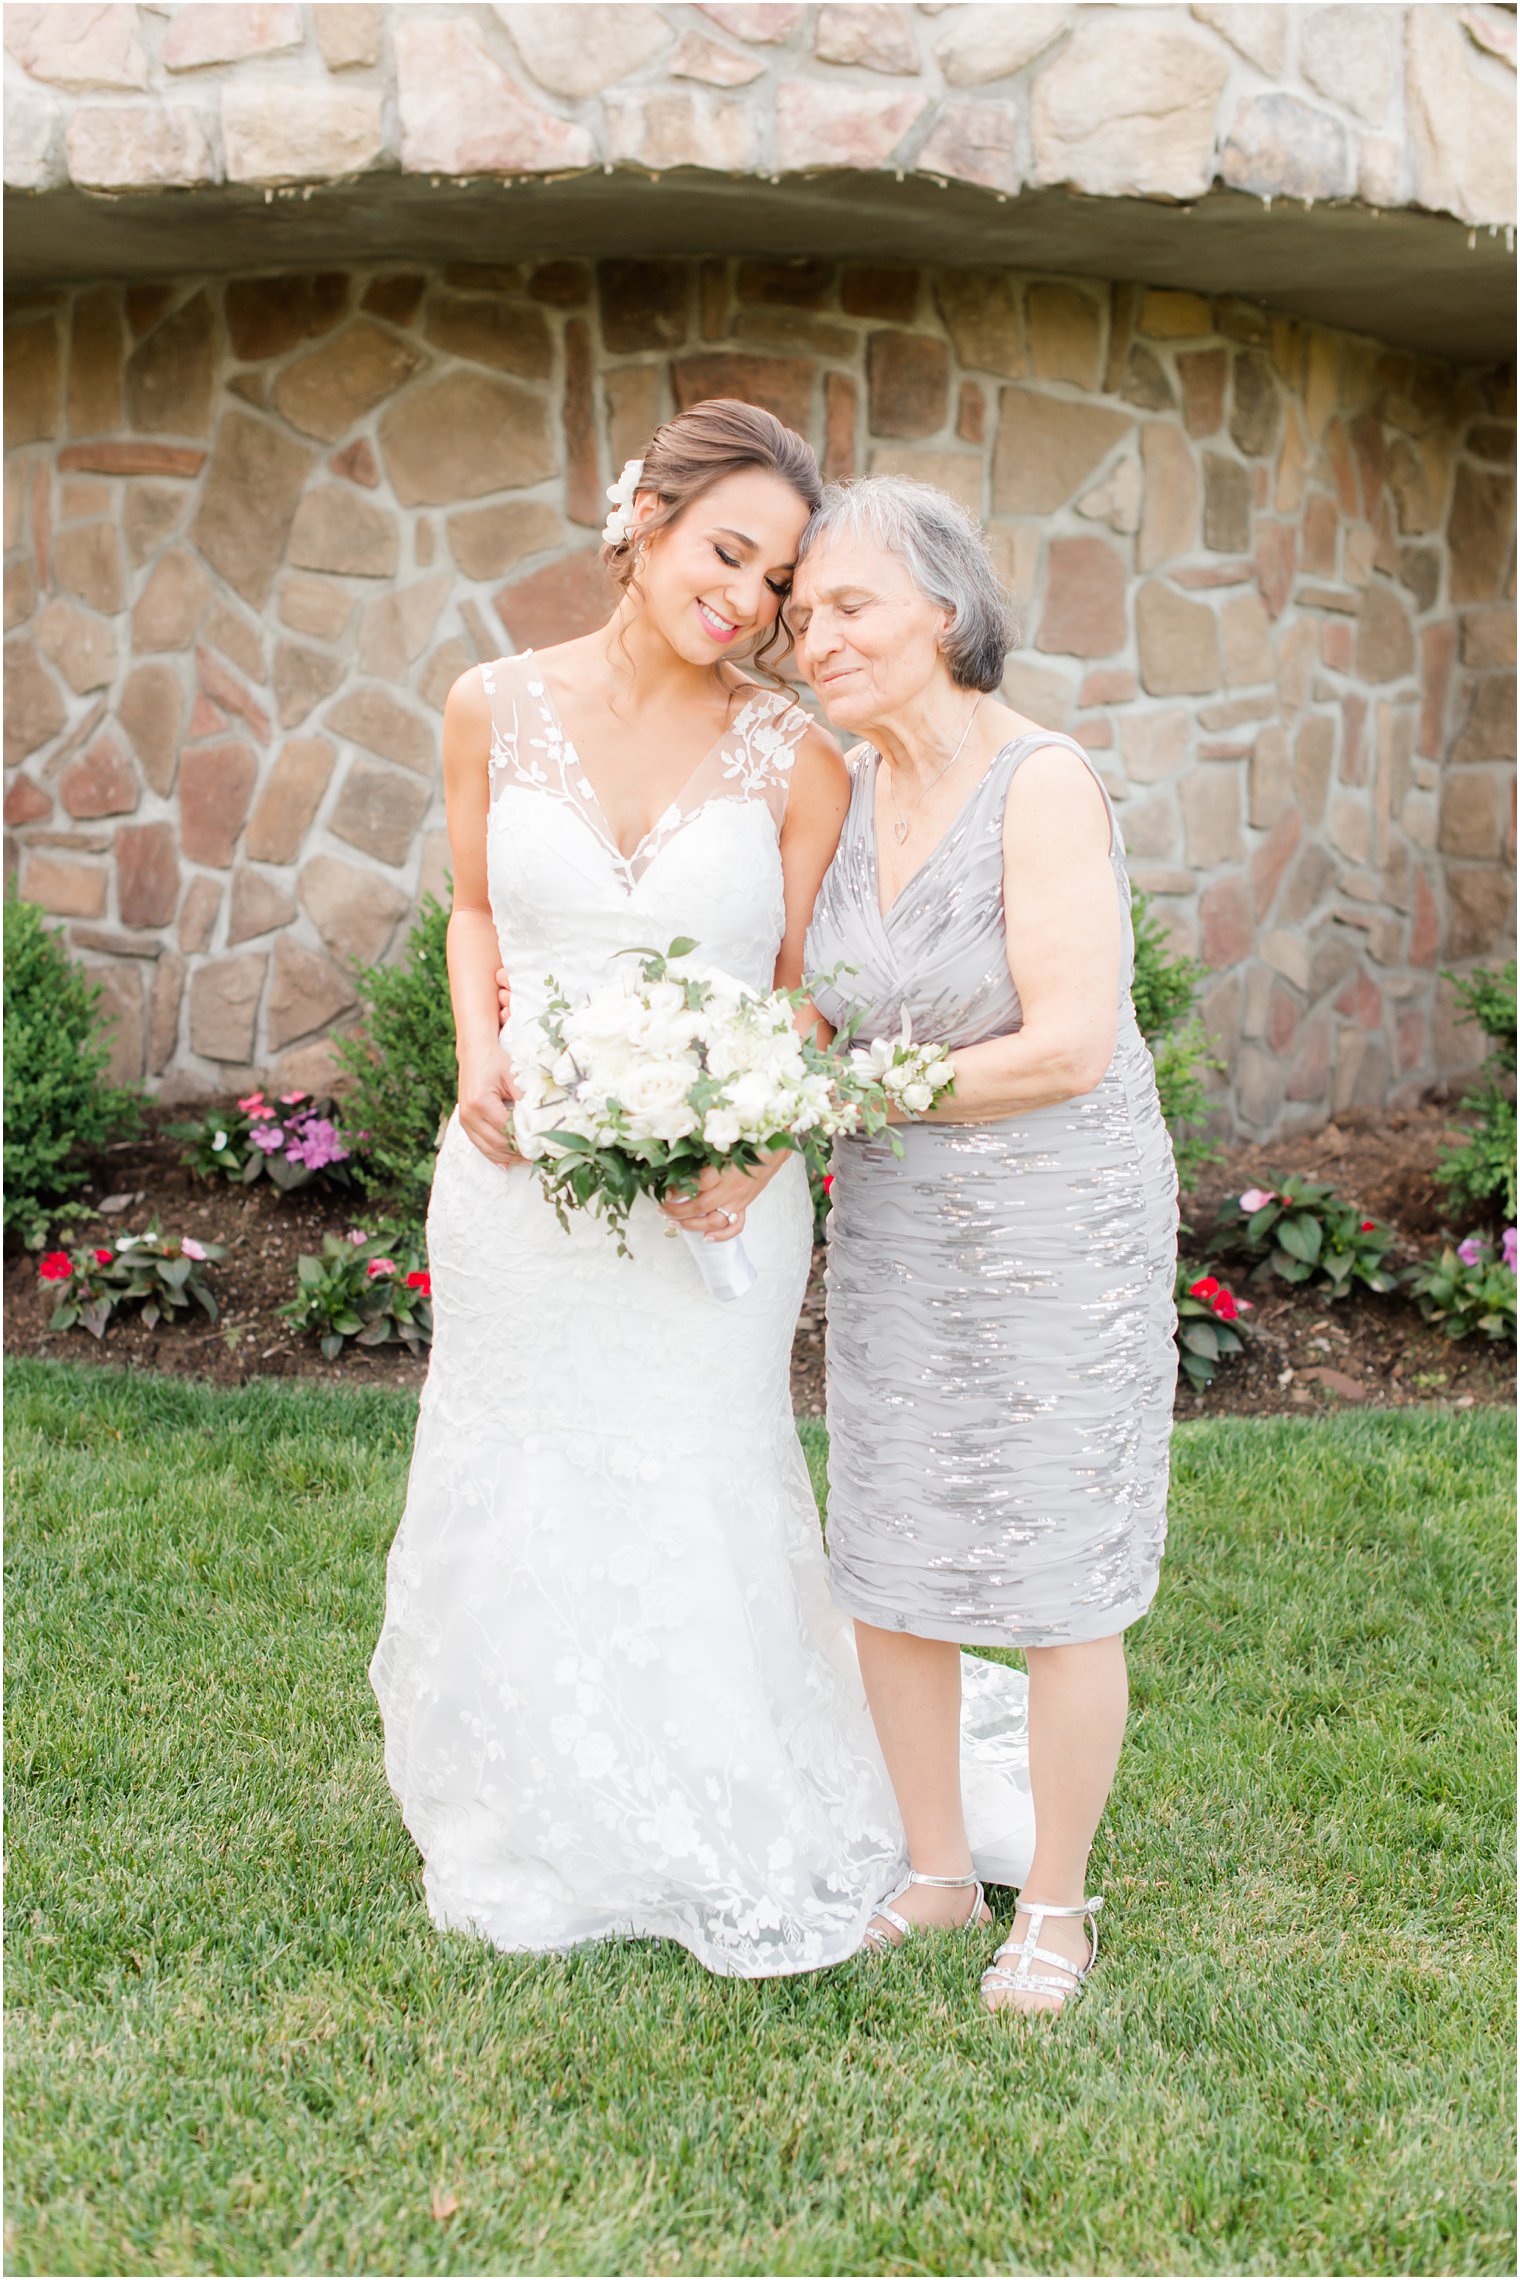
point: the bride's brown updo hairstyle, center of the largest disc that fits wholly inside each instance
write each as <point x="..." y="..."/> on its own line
<point x="697" y="449"/>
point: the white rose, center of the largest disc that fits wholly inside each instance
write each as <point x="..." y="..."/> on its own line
<point x="655" y="1100"/>
<point x="783" y="1055"/>
<point x="664" y="998"/>
<point x="752" y="1099"/>
<point x="610" y="1067"/>
<point x="527" y="1124"/>
<point x="607" y="1019"/>
<point x="917" y="1097"/>
<point x="722" y="1129"/>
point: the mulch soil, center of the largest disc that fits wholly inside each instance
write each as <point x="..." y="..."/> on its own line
<point x="1301" y="1353"/>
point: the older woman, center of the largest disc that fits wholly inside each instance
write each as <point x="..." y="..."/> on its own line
<point x="1001" y="1365"/>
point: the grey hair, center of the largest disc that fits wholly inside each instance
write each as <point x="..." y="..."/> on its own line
<point x="944" y="554"/>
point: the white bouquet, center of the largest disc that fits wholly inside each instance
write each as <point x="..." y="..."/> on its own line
<point x="669" y="1069"/>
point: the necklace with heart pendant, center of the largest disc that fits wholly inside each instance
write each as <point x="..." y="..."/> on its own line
<point x="903" y="824"/>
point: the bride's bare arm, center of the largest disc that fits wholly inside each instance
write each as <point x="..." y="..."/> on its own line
<point x="485" y="1095"/>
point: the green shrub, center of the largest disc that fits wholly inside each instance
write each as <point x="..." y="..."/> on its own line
<point x="1165" y="987"/>
<point x="1469" y="1287"/>
<point x="1479" y="1173"/>
<point x="58" y="1109"/>
<point x="1301" y="1231"/>
<point x="158" y="1273"/>
<point x="1209" y="1322"/>
<point x="372" y="1289"/>
<point x="1165" y="990"/>
<point x="405" y="1079"/>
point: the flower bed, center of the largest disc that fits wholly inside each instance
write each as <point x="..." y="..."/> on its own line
<point x="1299" y="1351"/>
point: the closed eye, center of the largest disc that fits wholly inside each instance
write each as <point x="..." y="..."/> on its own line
<point x="731" y="562"/>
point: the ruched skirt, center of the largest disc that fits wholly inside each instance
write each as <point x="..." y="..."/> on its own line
<point x="1002" y="1369"/>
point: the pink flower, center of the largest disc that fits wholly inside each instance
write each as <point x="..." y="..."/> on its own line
<point x="1256" y="1199"/>
<point x="56" y="1267"/>
<point x="288" y="1100"/>
<point x="1471" y="1252"/>
<point x="1508" y="1248"/>
<point x="357" y="1235"/>
<point x="268" y="1137"/>
<point x="380" y="1267"/>
<point x="317" y="1144"/>
<point x="422" y="1281"/>
<point x="253" y="1105"/>
<point x="191" y="1248"/>
<point x="104" y="1258"/>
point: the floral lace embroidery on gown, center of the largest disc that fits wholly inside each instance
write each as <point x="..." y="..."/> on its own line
<point x="617" y="1697"/>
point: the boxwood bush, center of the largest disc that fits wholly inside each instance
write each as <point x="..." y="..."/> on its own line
<point x="403" y="1077"/>
<point x="58" y="1107"/>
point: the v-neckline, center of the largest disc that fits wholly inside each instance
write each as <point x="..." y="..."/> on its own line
<point x="874" y="839"/>
<point x="673" y="809"/>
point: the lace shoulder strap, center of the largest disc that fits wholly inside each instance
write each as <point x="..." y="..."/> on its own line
<point x="526" y="747"/>
<point x="758" y="751"/>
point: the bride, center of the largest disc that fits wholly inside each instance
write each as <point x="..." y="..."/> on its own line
<point x="617" y="1698"/>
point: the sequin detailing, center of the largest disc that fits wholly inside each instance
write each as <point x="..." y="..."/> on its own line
<point x="1000" y="1316"/>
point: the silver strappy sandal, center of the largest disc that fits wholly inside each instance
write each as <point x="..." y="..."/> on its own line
<point x="1021" y="1980"/>
<point x="880" y="1940"/>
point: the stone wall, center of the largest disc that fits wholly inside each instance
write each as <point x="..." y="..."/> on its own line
<point x="1393" y="105"/>
<point x="254" y="528"/>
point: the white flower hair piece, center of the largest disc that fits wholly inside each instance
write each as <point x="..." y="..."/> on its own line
<point x="621" y="493"/>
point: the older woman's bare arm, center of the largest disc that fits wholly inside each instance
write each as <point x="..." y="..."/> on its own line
<point x="1061" y="918"/>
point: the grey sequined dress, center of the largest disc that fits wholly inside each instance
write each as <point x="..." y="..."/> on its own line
<point x="1000" y="1299"/>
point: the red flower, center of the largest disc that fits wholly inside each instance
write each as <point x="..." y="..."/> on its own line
<point x="1224" y="1305"/>
<point x="104" y="1258"/>
<point x="1205" y="1287"/>
<point x="1368" y="1225"/>
<point x="56" y="1267"/>
<point x="828" y="1183"/>
<point x="422" y="1281"/>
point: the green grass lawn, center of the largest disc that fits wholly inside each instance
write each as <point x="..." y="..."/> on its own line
<point x="237" y="2045"/>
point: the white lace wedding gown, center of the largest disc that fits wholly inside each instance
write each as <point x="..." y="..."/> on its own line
<point x="617" y="1698"/>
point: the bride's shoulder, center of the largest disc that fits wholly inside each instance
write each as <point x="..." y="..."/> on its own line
<point x="468" y="702"/>
<point x="781" y="709"/>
